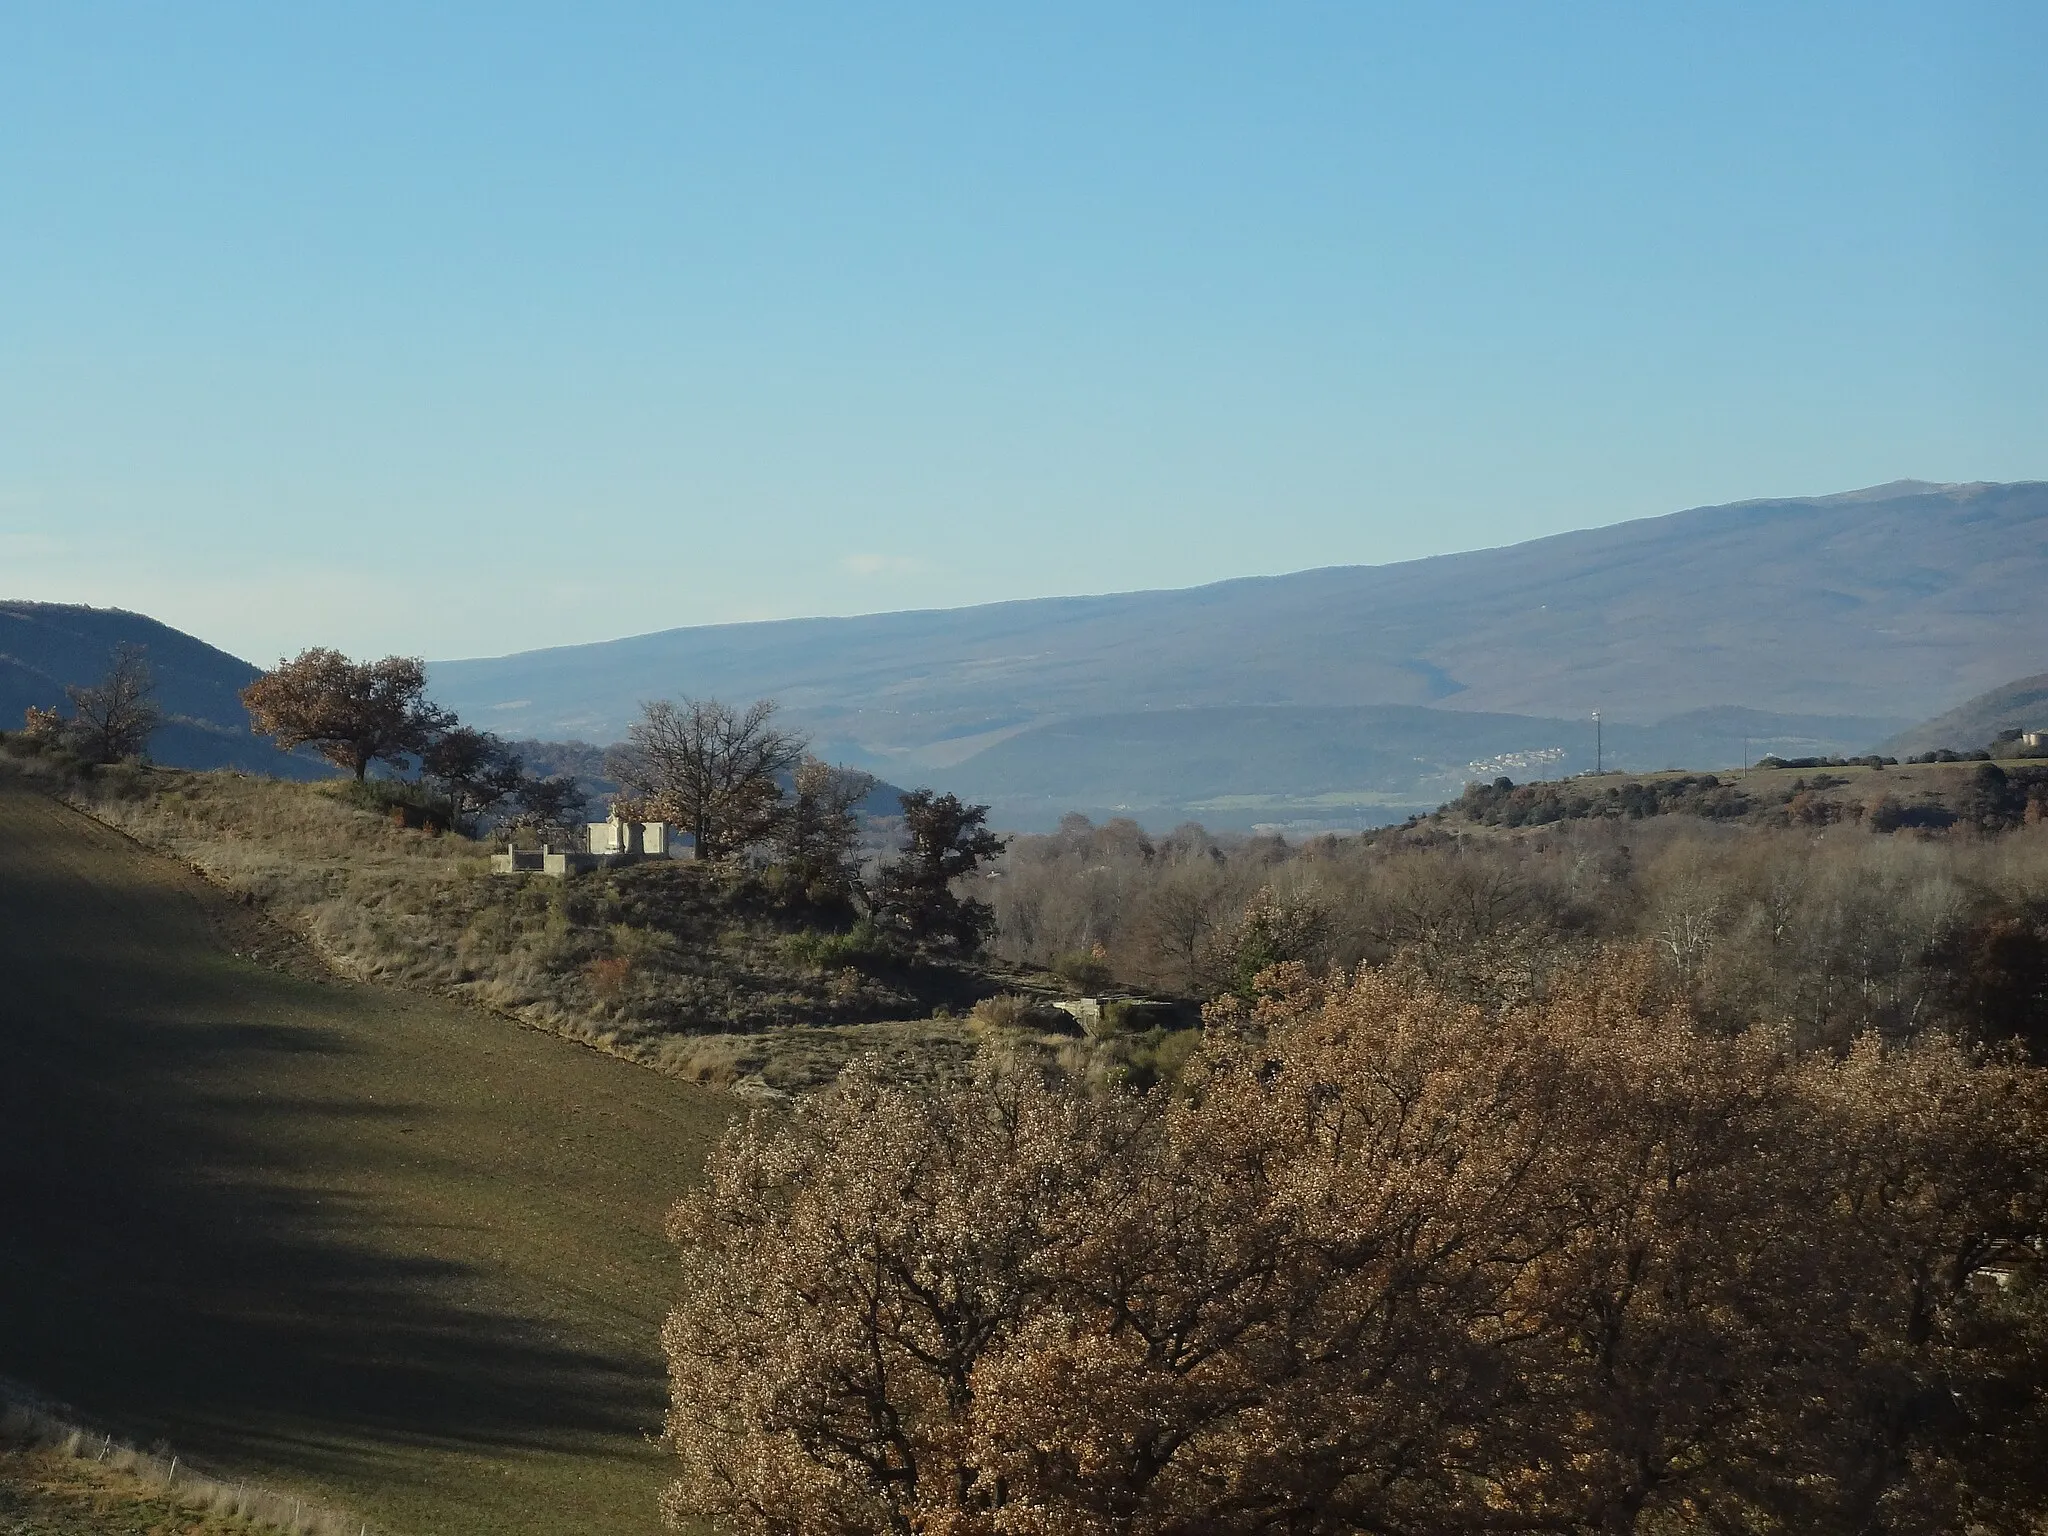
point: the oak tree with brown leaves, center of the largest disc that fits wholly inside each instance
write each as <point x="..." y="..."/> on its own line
<point x="817" y="841"/>
<point x="353" y="713"/>
<point x="1389" y="1262"/>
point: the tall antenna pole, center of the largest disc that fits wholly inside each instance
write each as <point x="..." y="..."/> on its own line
<point x="1599" y="756"/>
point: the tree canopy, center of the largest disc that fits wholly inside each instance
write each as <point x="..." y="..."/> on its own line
<point x="354" y="713"/>
<point x="818" y="840"/>
<point x="1389" y="1263"/>
<point x="944" y="839"/>
<point x="474" y="769"/>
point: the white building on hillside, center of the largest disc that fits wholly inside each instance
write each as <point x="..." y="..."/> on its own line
<point x="611" y="843"/>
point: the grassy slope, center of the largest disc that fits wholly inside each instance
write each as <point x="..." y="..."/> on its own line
<point x="399" y="1253"/>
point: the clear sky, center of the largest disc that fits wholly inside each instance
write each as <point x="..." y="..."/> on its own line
<point x="456" y="330"/>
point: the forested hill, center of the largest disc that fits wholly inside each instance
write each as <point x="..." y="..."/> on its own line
<point x="1885" y="605"/>
<point x="45" y="647"/>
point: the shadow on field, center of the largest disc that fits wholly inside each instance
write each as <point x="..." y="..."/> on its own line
<point x="206" y="1166"/>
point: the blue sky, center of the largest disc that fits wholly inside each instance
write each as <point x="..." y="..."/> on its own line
<point x="458" y="330"/>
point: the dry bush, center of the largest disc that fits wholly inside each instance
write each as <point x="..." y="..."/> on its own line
<point x="801" y="1058"/>
<point x="1015" y="1011"/>
<point x="1396" y="1263"/>
<point x="609" y="977"/>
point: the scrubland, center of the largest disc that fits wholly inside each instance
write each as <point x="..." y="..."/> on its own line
<point x="1657" y="1154"/>
<point x="1832" y="901"/>
<point x="1671" y="1167"/>
<point x="1796" y="910"/>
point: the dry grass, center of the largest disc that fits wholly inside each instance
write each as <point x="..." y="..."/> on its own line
<point x="64" y="1477"/>
<point x="793" y="1060"/>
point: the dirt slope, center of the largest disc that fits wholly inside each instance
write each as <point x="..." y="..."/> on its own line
<point x="403" y="1255"/>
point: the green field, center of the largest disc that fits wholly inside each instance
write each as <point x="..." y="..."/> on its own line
<point x="399" y="1254"/>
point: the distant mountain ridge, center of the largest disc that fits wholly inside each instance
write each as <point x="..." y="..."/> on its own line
<point x="1868" y="608"/>
<point x="1342" y="693"/>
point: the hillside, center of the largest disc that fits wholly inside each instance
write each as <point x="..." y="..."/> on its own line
<point x="1866" y="610"/>
<point x="2019" y="705"/>
<point x="714" y="973"/>
<point x="45" y="646"/>
<point x="402" y="1254"/>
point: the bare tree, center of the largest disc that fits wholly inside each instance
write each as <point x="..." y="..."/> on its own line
<point x="1181" y="916"/>
<point x="711" y="768"/>
<point x="116" y="717"/>
<point x="550" y="808"/>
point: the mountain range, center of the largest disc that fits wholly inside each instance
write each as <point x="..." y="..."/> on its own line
<point x="1328" y="697"/>
<point x="1817" y="624"/>
<point x="2019" y="705"/>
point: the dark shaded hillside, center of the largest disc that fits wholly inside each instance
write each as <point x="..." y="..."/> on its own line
<point x="1884" y="603"/>
<point x="2018" y="705"/>
<point x="45" y="646"/>
<point x="400" y="1253"/>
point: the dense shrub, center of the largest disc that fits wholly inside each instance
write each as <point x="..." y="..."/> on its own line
<point x="1085" y="970"/>
<point x="1504" y="803"/>
<point x="861" y="944"/>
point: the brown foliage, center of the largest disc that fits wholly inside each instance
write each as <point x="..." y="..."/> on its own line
<point x="1391" y="1263"/>
<point x="818" y="840"/>
<point x="609" y="976"/>
<point x="352" y="712"/>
